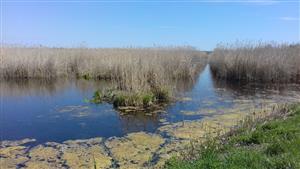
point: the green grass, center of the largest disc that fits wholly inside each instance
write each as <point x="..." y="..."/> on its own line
<point x="272" y="144"/>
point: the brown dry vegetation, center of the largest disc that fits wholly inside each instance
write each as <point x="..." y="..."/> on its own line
<point x="131" y="69"/>
<point x="257" y="62"/>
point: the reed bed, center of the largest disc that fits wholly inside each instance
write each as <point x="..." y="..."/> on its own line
<point x="257" y="62"/>
<point x="131" y="69"/>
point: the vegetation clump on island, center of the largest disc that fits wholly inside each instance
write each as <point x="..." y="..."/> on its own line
<point x="141" y="77"/>
<point x="271" y="142"/>
<point x="130" y="101"/>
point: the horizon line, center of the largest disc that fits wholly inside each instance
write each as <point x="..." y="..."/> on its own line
<point x="155" y="1"/>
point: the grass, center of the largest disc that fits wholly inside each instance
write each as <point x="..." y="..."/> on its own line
<point x="269" y="144"/>
<point x="131" y="69"/>
<point x="257" y="62"/>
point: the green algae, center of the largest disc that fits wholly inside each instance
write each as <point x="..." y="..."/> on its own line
<point x="134" y="150"/>
<point x="89" y="153"/>
<point x="86" y="157"/>
<point x="75" y="154"/>
<point x="12" y="156"/>
<point x="171" y="149"/>
<point x="41" y="153"/>
<point x="185" y="99"/>
<point x="44" y="157"/>
<point x="73" y="108"/>
<point x="13" y="153"/>
<point x="208" y="102"/>
<point x="16" y="142"/>
<point x="76" y="111"/>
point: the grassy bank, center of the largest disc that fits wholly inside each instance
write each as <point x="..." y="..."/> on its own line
<point x="257" y="62"/>
<point x="131" y="69"/>
<point x="263" y="143"/>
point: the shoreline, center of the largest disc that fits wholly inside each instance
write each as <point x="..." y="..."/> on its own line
<point x="147" y="149"/>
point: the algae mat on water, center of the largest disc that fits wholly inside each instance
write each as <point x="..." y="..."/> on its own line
<point x="135" y="150"/>
<point x="70" y="154"/>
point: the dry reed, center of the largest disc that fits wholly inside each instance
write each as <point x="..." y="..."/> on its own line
<point x="132" y="69"/>
<point x="257" y="62"/>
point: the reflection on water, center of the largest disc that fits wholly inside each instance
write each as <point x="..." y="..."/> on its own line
<point x="55" y="110"/>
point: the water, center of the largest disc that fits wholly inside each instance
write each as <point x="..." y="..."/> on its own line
<point x="56" y="110"/>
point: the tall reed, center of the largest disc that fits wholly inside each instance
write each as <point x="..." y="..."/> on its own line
<point x="257" y="62"/>
<point x="130" y="68"/>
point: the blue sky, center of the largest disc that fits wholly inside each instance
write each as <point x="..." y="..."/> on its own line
<point x="202" y="24"/>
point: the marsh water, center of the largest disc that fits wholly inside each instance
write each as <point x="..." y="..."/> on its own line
<point x="57" y="110"/>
